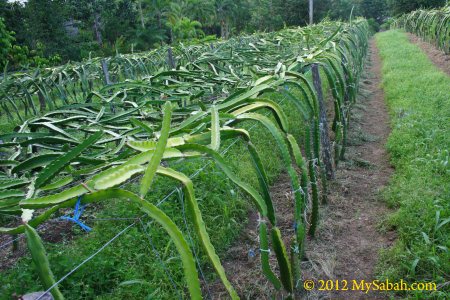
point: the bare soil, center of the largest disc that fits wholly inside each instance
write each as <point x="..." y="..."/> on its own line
<point x="53" y="231"/>
<point x="437" y="56"/>
<point x="242" y="261"/>
<point x="349" y="238"/>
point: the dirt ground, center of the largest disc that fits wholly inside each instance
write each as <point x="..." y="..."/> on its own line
<point x="349" y="237"/>
<point x="54" y="231"/>
<point x="438" y="57"/>
<point x="242" y="261"/>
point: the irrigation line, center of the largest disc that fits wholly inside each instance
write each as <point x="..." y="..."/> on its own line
<point x="113" y="219"/>
<point x="181" y="197"/>
<point x="158" y="255"/>
<point x="86" y="260"/>
<point x="10" y="242"/>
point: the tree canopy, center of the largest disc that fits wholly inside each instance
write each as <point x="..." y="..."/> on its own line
<point x="47" y="31"/>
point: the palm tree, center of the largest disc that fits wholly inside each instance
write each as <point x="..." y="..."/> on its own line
<point x="172" y="13"/>
<point x="164" y="12"/>
<point x="225" y="11"/>
<point x="200" y="10"/>
<point x="186" y="29"/>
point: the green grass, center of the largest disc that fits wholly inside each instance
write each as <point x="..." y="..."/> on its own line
<point x="418" y="97"/>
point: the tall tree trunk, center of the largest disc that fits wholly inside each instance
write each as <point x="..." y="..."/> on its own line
<point x="98" y="36"/>
<point x="158" y="19"/>
<point x="97" y="29"/>
<point x="141" y="15"/>
<point x="222" y="29"/>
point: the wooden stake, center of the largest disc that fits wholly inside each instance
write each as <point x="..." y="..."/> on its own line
<point x="323" y="124"/>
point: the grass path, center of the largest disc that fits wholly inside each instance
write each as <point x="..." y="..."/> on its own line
<point x="437" y="56"/>
<point x="418" y="97"/>
<point x="360" y="238"/>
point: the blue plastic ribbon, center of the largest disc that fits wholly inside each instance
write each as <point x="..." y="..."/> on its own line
<point x="76" y="216"/>
<point x="251" y="253"/>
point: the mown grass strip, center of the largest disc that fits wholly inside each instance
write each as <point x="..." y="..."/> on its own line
<point x="417" y="94"/>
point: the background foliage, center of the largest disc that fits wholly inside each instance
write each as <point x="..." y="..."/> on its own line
<point x="48" y="32"/>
